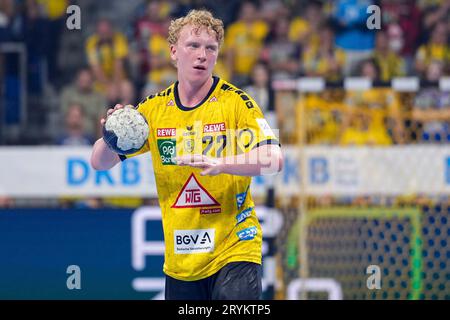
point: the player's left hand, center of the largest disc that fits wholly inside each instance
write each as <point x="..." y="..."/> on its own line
<point x="211" y="166"/>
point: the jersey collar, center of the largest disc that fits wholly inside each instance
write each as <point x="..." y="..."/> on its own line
<point x="178" y="101"/>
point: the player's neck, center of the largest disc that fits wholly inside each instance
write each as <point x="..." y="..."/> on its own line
<point x="191" y="94"/>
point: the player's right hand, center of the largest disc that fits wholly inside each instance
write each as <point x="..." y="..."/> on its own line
<point x="110" y="111"/>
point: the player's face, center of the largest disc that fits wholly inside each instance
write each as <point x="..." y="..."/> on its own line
<point x="195" y="53"/>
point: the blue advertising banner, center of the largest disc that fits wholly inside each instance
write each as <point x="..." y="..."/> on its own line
<point x="91" y="253"/>
<point x="38" y="246"/>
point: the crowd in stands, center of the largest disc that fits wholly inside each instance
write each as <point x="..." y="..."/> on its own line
<point x="265" y="40"/>
<point x="127" y="58"/>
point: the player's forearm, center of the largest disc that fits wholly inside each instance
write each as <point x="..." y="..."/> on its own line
<point x="264" y="160"/>
<point x="102" y="157"/>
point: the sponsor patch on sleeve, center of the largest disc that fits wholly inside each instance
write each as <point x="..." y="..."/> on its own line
<point x="240" y="198"/>
<point x="247" y="234"/>
<point x="244" y="215"/>
<point x="265" y="128"/>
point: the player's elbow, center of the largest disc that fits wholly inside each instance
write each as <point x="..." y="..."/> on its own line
<point x="102" y="158"/>
<point x="277" y="159"/>
<point x="273" y="160"/>
<point x="102" y="164"/>
<point x="95" y="163"/>
<point x="280" y="160"/>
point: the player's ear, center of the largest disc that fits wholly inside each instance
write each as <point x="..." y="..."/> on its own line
<point x="173" y="52"/>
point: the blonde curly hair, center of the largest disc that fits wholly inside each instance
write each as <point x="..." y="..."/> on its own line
<point x="199" y="19"/>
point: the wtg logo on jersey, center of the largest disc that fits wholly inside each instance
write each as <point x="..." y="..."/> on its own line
<point x="194" y="241"/>
<point x="244" y="215"/>
<point x="247" y="234"/>
<point x="194" y="195"/>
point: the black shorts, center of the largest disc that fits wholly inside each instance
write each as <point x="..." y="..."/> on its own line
<point x="235" y="281"/>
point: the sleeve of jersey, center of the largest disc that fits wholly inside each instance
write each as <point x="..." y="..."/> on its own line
<point x="253" y="129"/>
<point x="91" y="51"/>
<point x="142" y="109"/>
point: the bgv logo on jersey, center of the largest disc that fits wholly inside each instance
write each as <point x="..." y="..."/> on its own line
<point x="194" y="241"/>
<point x="194" y="195"/>
<point x="247" y="234"/>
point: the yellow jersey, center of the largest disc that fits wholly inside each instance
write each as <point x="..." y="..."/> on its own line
<point x="54" y="9"/>
<point x="247" y="42"/>
<point x="104" y="53"/>
<point x="208" y="221"/>
<point x="433" y="52"/>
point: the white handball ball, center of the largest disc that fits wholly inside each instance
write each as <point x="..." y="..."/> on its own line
<point x="125" y="131"/>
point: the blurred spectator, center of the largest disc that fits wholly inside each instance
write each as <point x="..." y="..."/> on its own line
<point x="370" y="69"/>
<point x="390" y="63"/>
<point x="304" y="30"/>
<point x="326" y="60"/>
<point x="55" y="12"/>
<point x="360" y="129"/>
<point x="322" y="118"/>
<point x="352" y="34"/>
<point x="372" y="116"/>
<point x="434" y="12"/>
<point x="225" y="10"/>
<point x="182" y="7"/>
<point x="74" y="133"/>
<point x="261" y="91"/>
<point x="152" y="23"/>
<point x="273" y="10"/>
<point x="107" y="53"/>
<point x="35" y="32"/>
<point x="162" y="72"/>
<point x="431" y="110"/>
<point x="282" y="54"/>
<point x="220" y="69"/>
<point x="259" y="88"/>
<point x="396" y="37"/>
<point x="243" y="43"/>
<point x="437" y="49"/>
<point x="82" y="92"/>
<point x="407" y="16"/>
<point x="7" y="13"/>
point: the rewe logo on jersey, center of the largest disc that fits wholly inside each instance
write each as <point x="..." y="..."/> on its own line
<point x="166" y="132"/>
<point x="194" y="195"/>
<point x="214" y="127"/>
